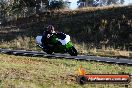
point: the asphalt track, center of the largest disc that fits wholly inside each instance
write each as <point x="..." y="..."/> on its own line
<point x="122" y="61"/>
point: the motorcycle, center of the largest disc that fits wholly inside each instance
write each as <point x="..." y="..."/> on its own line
<point x="59" y="43"/>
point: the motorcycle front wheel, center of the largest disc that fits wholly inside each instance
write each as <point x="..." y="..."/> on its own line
<point x="72" y="51"/>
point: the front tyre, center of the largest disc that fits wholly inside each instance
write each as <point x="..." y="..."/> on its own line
<point x="72" y="51"/>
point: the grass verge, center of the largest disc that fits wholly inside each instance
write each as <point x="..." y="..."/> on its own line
<point x="38" y="72"/>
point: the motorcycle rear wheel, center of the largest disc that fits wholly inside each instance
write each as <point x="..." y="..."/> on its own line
<point x="48" y="50"/>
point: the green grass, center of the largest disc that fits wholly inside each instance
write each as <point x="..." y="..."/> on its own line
<point x="38" y="72"/>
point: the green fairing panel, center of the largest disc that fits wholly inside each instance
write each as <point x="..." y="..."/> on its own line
<point x="69" y="45"/>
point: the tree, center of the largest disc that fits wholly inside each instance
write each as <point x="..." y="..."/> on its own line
<point x="19" y="5"/>
<point x="122" y="1"/>
<point x="3" y="10"/>
<point x="10" y="9"/>
<point x="86" y="2"/>
<point x="100" y="2"/>
<point x="58" y="4"/>
<point x="109" y="2"/>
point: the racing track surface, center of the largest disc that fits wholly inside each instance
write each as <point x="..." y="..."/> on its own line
<point x="121" y="61"/>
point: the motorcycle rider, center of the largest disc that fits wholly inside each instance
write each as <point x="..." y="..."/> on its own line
<point x="47" y="35"/>
<point x="55" y="42"/>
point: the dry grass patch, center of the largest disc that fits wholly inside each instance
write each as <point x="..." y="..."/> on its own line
<point x="21" y="42"/>
<point x="36" y="72"/>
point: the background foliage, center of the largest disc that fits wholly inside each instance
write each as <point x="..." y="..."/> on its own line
<point x="97" y="27"/>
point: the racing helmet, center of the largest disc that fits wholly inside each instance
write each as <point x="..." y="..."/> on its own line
<point x="50" y="29"/>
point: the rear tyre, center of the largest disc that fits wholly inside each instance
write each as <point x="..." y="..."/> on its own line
<point x="48" y="50"/>
<point x="72" y="51"/>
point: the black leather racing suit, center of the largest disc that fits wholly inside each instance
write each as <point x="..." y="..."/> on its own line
<point x="46" y="39"/>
